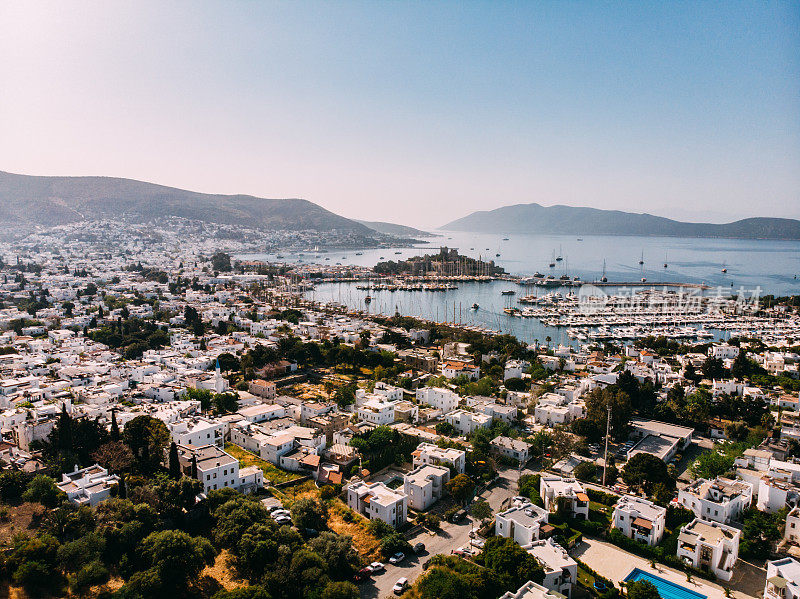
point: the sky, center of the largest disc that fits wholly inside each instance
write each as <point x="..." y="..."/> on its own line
<point x="415" y="112"/>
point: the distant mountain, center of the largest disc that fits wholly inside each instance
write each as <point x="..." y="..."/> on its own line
<point x="27" y="199"/>
<point x="395" y="230"/>
<point x="535" y="218"/>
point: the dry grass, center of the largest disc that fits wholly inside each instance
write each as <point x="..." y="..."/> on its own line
<point x="20" y="519"/>
<point x="271" y="472"/>
<point x="367" y="546"/>
<point x="223" y="573"/>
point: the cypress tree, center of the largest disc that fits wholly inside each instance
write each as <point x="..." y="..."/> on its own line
<point x="114" y="426"/>
<point x="174" y="462"/>
<point x="194" y="466"/>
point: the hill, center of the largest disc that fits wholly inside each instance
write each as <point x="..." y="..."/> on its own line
<point x="28" y="199"/>
<point x="535" y="218"/>
<point x="395" y="230"/>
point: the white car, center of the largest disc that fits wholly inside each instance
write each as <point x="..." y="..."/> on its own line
<point x="397" y="558"/>
<point x="400" y="586"/>
<point x="376" y="567"/>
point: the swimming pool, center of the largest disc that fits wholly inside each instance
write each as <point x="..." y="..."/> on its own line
<point x="667" y="589"/>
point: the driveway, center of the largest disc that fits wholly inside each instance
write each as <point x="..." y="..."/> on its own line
<point x="451" y="536"/>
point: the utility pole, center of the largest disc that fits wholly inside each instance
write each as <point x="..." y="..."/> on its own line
<point x="605" y="457"/>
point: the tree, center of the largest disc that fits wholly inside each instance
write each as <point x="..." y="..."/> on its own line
<point x="461" y="488"/>
<point x="512" y="563"/>
<point x="340" y="590"/>
<point x="12" y="485"/>
<point x="174" y="461"/>
<point x="338" y="553"/>
<point x="379" y="529"/>
<point x="482" y="510"/>
<point x="644" y="471"/>
<point x="309" y="513"/>
<point x="742" y="366"/>
<point x="221" y="262"/>
<point x="393" y="543"/>
<point x="760" y="530"/>
<point x="642" y="589"/>
<point x="42" y="489"/>
<point x="174" y="559"/>
<point x="713" y="368"/>
<point x="345" y="396"/>
<point x="586" y="471"/>
<point x="114" y="455"/>
<point x="147" y="437"/>
<point x="251" y="592"/>
<point x="597" y="404"/>
<point x="515" y="384"/>
<point x="114" y="426"/>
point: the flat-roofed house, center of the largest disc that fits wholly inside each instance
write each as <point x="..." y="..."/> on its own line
<point x="640" y="519"/>
<point x="377" y="501"/>
<point x="521" y="523"/>
<point x="709" y="545"/>
<point x="568" y="491"/>
<point x="428" y="453"/>
<point x="720" y="500"/>
<point x="783" y="579"/>
<point x="88" y="486"/>
<point x="425" y="485"/>
<point x="560" y="570"/>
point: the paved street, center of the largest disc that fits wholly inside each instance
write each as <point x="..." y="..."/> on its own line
<point x="450" y="537"/>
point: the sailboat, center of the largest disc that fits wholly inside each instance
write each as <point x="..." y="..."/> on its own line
<point x="604" y="278"/>
<point x="665" y="260"/>
<point x="724" y="268"/>
<point x="553" y="260"/>
<point x="559" y="258"/>
<point x="641" y="260"/>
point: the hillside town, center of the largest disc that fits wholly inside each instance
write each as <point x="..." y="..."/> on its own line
<point x="179" y="422"/>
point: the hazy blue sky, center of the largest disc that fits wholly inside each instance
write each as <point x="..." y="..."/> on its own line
<point x="416" y="113"/>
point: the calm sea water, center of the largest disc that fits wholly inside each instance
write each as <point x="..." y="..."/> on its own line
<point x="771" y="265"/>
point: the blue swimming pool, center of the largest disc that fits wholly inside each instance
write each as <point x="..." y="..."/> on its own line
<point x="667" y="589"/>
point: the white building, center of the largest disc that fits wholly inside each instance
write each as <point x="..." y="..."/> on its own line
<point x="640" y="519"/>
<point x="217" y="469"/>
<point x="721" y="500"/>
<point x="428" y="453"/>
<point x="723" y="351"/>
<point x="783" y="579"/>
<point x="709" y="545"/>
<point x="390" y="392"/>
<point x="467" y="422"/>
<point x="425" y="485"/>
<point x="553" y="488"/>
<point x="522" y="523"/>
<point x="88" y="486"/>
<point x="377" y="410"/>
<point x="376" y="500"/>
<point x="441" y="399"/>
<point x="531" y="590"/>
<point x="792" y="531"/>
<point x="513" y="449"/>
<point x="778" y="487"/>
<point x="197" y="431"/>
<point x="560" y="570"/>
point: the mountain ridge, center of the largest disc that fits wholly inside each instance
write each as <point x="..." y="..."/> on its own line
<point x="561" y="219"/>
<point x="32" y="199"/>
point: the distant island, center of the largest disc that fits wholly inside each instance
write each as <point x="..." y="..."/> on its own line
<point x="395" y="230"/>
<point x="535" y="218"/>
<point x="53" y="201"/>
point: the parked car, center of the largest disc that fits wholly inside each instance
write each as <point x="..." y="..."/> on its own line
<point x="458" y="516"/>
<point x="362" y="574"/>
<point x="376" y="567"/>
<point x="419" y="548"/>
<point x="479" y="543"/>
<point x="397" y="558"/>
<point x="283" y="520"/>
<point x="280" y="512"/>
<point x="400" y="586"/>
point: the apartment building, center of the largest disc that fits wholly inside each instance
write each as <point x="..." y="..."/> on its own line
<point x="217" y="469"/>
<point x="640" y="519"/>
<point x="792" y="531"/>
<point x="197" y="431"/>
<point x="721" y="500"/>
<point x="467" y="422"/>
<point x="779" y="486"/>
<point x="513" y="449"/>
<point x="428" y="453"/>
<point x="709" y="546"/>
<point x="377" y="410"/>
<point x="531" y="590"/>
<point x="425" y="485"/>
<point x="377" y="501"/>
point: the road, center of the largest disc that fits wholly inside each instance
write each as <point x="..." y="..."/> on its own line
<point x="451" y="536"/>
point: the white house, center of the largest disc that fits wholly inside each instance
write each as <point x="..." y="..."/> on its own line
<point x="88" y="486"/>
<point x="376" y="500"/>
<point x="441" y="399"/>
<point x="723" y="351"/>
<point x="514" y="449"/>
<point x="792" y="531"/>
<point x="522" y="523"/>
<point x="217" y="469"/>
<point x="428" y="453"/>
<point x="639" y="519"/>
<point x="783" y="579"/>
<point x="197" y="431"/>
<point x="425" y="485"/>
<point x="467" y="422"/>
<point x="553" y="488"/>
<point x="778" y="486"/>
<point x="709" y="545"/>
<point x="560" y="570"/>
<point x="721" y="500"/>
<point x="531" y="590"/>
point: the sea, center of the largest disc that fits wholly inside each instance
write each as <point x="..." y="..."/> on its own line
<point x="753" y="267"/>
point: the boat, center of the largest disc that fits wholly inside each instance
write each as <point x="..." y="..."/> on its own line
<point x="724" y="270"/>
<point x="644" y="279"/>
<point x="474" y="307"/>
<point x="497" y="255"/>
<point x="580" y="238"/>
<point x="367" y="299"/>
<point x="665" y="260"/>
<point x="560" y="257"/>
<point x="538" y="275"/>
<point x="604" y="278"/>
<point x="508" y="292"/>
<point x="641" y="260"/>
<point x="359" y="253"/>
<point x="398" y="253"/>
<point x="505" y="238"/>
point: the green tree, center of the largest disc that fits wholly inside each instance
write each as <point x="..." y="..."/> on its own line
<point x="713" y="368"/>
<point x="12" y="485"/>
<point x="340" y="590"/>
<point x="393" y="543"/>
<point x="482" y="510"/>
<point x="42" y="489"/>
<point x="642" y="589"/>
<point x="512" y="563"/>
<point x="461" y="488"/>
<point x="586" y="471"/>
<point x="309" y="513"/>
<point x="147" y="437"/>
<point x="174" y="461"/>
<point x="644" y="471"/>
<point x="338" y="553"/>
<point x="250" y="592"/>
<point x="597" y="403"/>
